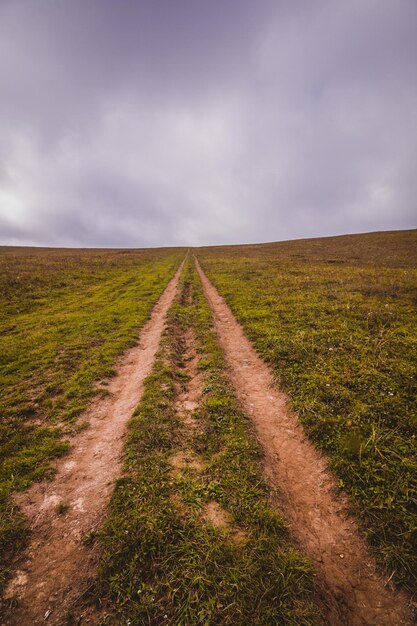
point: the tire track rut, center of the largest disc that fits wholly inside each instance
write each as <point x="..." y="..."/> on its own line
<point x="353" y="592"/>
<point x="57" y="565"/>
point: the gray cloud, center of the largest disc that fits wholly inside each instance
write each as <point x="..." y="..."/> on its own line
<point x="169" y="123"/>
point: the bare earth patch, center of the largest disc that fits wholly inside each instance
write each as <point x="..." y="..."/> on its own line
<point x="58" y="565"/>
<point x="215" y="514"/>
<point x="189" y="398"/>
<point x="188" y="401"/>
<point x="184" y="460"/>
<point x="220" y="518"/>
<point x="353" y="591"/>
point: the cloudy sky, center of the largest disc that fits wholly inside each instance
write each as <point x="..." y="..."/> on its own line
<point x="170" y="122"/>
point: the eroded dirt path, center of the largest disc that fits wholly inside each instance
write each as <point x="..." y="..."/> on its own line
<point x="58" y="565"/>
<point x="353" y="593"/>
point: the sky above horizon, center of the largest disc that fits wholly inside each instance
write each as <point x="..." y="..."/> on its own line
<point x="161" y="122"/>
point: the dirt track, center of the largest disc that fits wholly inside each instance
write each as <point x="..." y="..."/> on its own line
<point x="58" y="566"/>
<point x="353" y="593"/>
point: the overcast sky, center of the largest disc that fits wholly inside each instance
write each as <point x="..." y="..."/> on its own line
<point x="170" y="122"/>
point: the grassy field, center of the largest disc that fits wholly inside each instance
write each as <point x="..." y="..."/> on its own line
<point x="65" y="315"/>
<point x="164" y="562"/>
<point x="336" y="318"/>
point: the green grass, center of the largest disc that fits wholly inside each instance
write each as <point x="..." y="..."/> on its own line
<point x="336" y="318"/>
<point x="65" y="316"/>
<point x="163" y="562"/>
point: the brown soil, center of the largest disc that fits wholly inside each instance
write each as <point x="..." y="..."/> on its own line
<point x="189" y="398"/>
<point x="353" y="592"/>
<point x="185" y="460"/>
<point x="220" y="518"/>
<point x="187" y="402"/>
<point x="57" y="566"/>
<point x="217" y="516"/>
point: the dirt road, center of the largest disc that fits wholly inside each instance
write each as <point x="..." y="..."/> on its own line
<point x="353" y="593"/>
<point x="58" y="565"/>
